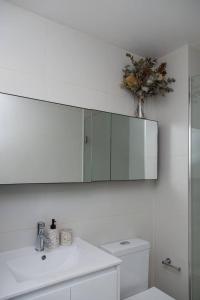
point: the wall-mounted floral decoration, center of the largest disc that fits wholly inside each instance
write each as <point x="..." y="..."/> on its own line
<point x="144" y="78"/>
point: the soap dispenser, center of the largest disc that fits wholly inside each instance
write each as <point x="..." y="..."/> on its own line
<point x="53" y="224"/>
<point x="52" y="236"/>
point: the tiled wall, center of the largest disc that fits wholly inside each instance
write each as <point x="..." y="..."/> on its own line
<point x="171" y="210"/>
<point x="42" y="59"/>
<point x="45" y="60"/>
<point x="99" y="212"/>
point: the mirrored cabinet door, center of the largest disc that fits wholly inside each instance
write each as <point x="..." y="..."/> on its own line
<point x="40" y="141"/>
<point x="133" y="148"/>
<point x="97" y="130"/>
<point x="101" y="129"/>
<point x="120" y="148"/>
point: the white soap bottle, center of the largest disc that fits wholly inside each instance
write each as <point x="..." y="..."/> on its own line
<point x="52" y="236"/>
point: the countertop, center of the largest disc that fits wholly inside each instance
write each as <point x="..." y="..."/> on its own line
<point x="90" y="259"/>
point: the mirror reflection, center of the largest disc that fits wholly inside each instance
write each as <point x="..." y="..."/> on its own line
<point x="133" y="148"/>
<point x="40" y="141"/>
<point x="45" y="142"/>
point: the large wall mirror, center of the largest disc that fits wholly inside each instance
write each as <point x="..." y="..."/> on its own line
<point x="43" y="142"/>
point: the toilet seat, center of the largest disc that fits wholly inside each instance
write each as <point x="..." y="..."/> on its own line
<point x="151" y="294"/>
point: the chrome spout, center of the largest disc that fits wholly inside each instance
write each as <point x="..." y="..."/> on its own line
<point x="40" y="236"/>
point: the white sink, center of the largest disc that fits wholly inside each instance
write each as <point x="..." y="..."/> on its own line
<point x="23" y="270"/>
<point x="35" y="264"/>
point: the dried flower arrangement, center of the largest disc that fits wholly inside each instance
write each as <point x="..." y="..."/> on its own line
<point x="143" y="78"/>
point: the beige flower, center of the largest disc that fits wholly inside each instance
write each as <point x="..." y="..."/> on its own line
<point x="131" y="81"/>
<point x="160" y="77"/>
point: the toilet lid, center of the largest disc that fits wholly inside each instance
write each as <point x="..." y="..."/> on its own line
<point x="151" y="294"/>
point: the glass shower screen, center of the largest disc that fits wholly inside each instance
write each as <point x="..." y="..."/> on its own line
<point x="195" y="187"/>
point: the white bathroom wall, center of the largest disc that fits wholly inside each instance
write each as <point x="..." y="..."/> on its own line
<point x="171" y="207"/>
<point x="194" y="59"/>
<point x="45" y="60"/>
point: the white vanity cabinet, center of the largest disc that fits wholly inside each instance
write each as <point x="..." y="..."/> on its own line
<point x="63" y="294"/>
<point x="51" y="293"/>
<point x="97" y="286"/>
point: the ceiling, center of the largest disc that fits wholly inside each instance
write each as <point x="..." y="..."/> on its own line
<point x="146" y="27"/>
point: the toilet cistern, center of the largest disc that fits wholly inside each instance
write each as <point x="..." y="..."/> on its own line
<point x="134" y="270"/>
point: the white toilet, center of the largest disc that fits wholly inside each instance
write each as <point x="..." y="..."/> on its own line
<point x="134" y="270"/>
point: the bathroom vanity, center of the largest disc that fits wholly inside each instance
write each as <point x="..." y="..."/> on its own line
<point x="76" y="272"/>
<point x="43" y="142"/>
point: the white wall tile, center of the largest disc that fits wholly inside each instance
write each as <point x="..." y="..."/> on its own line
<point x="22" y="84"/>
<point x="194" y="57"/>
<point x="23" y="39"/>
<point x="16" y="239"/>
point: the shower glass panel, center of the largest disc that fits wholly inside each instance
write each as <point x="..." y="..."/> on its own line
<point x="195" y="187"/>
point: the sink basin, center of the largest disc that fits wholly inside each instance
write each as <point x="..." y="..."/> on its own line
<point x="25" y="270"/>
<point x="35" y="264"/>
